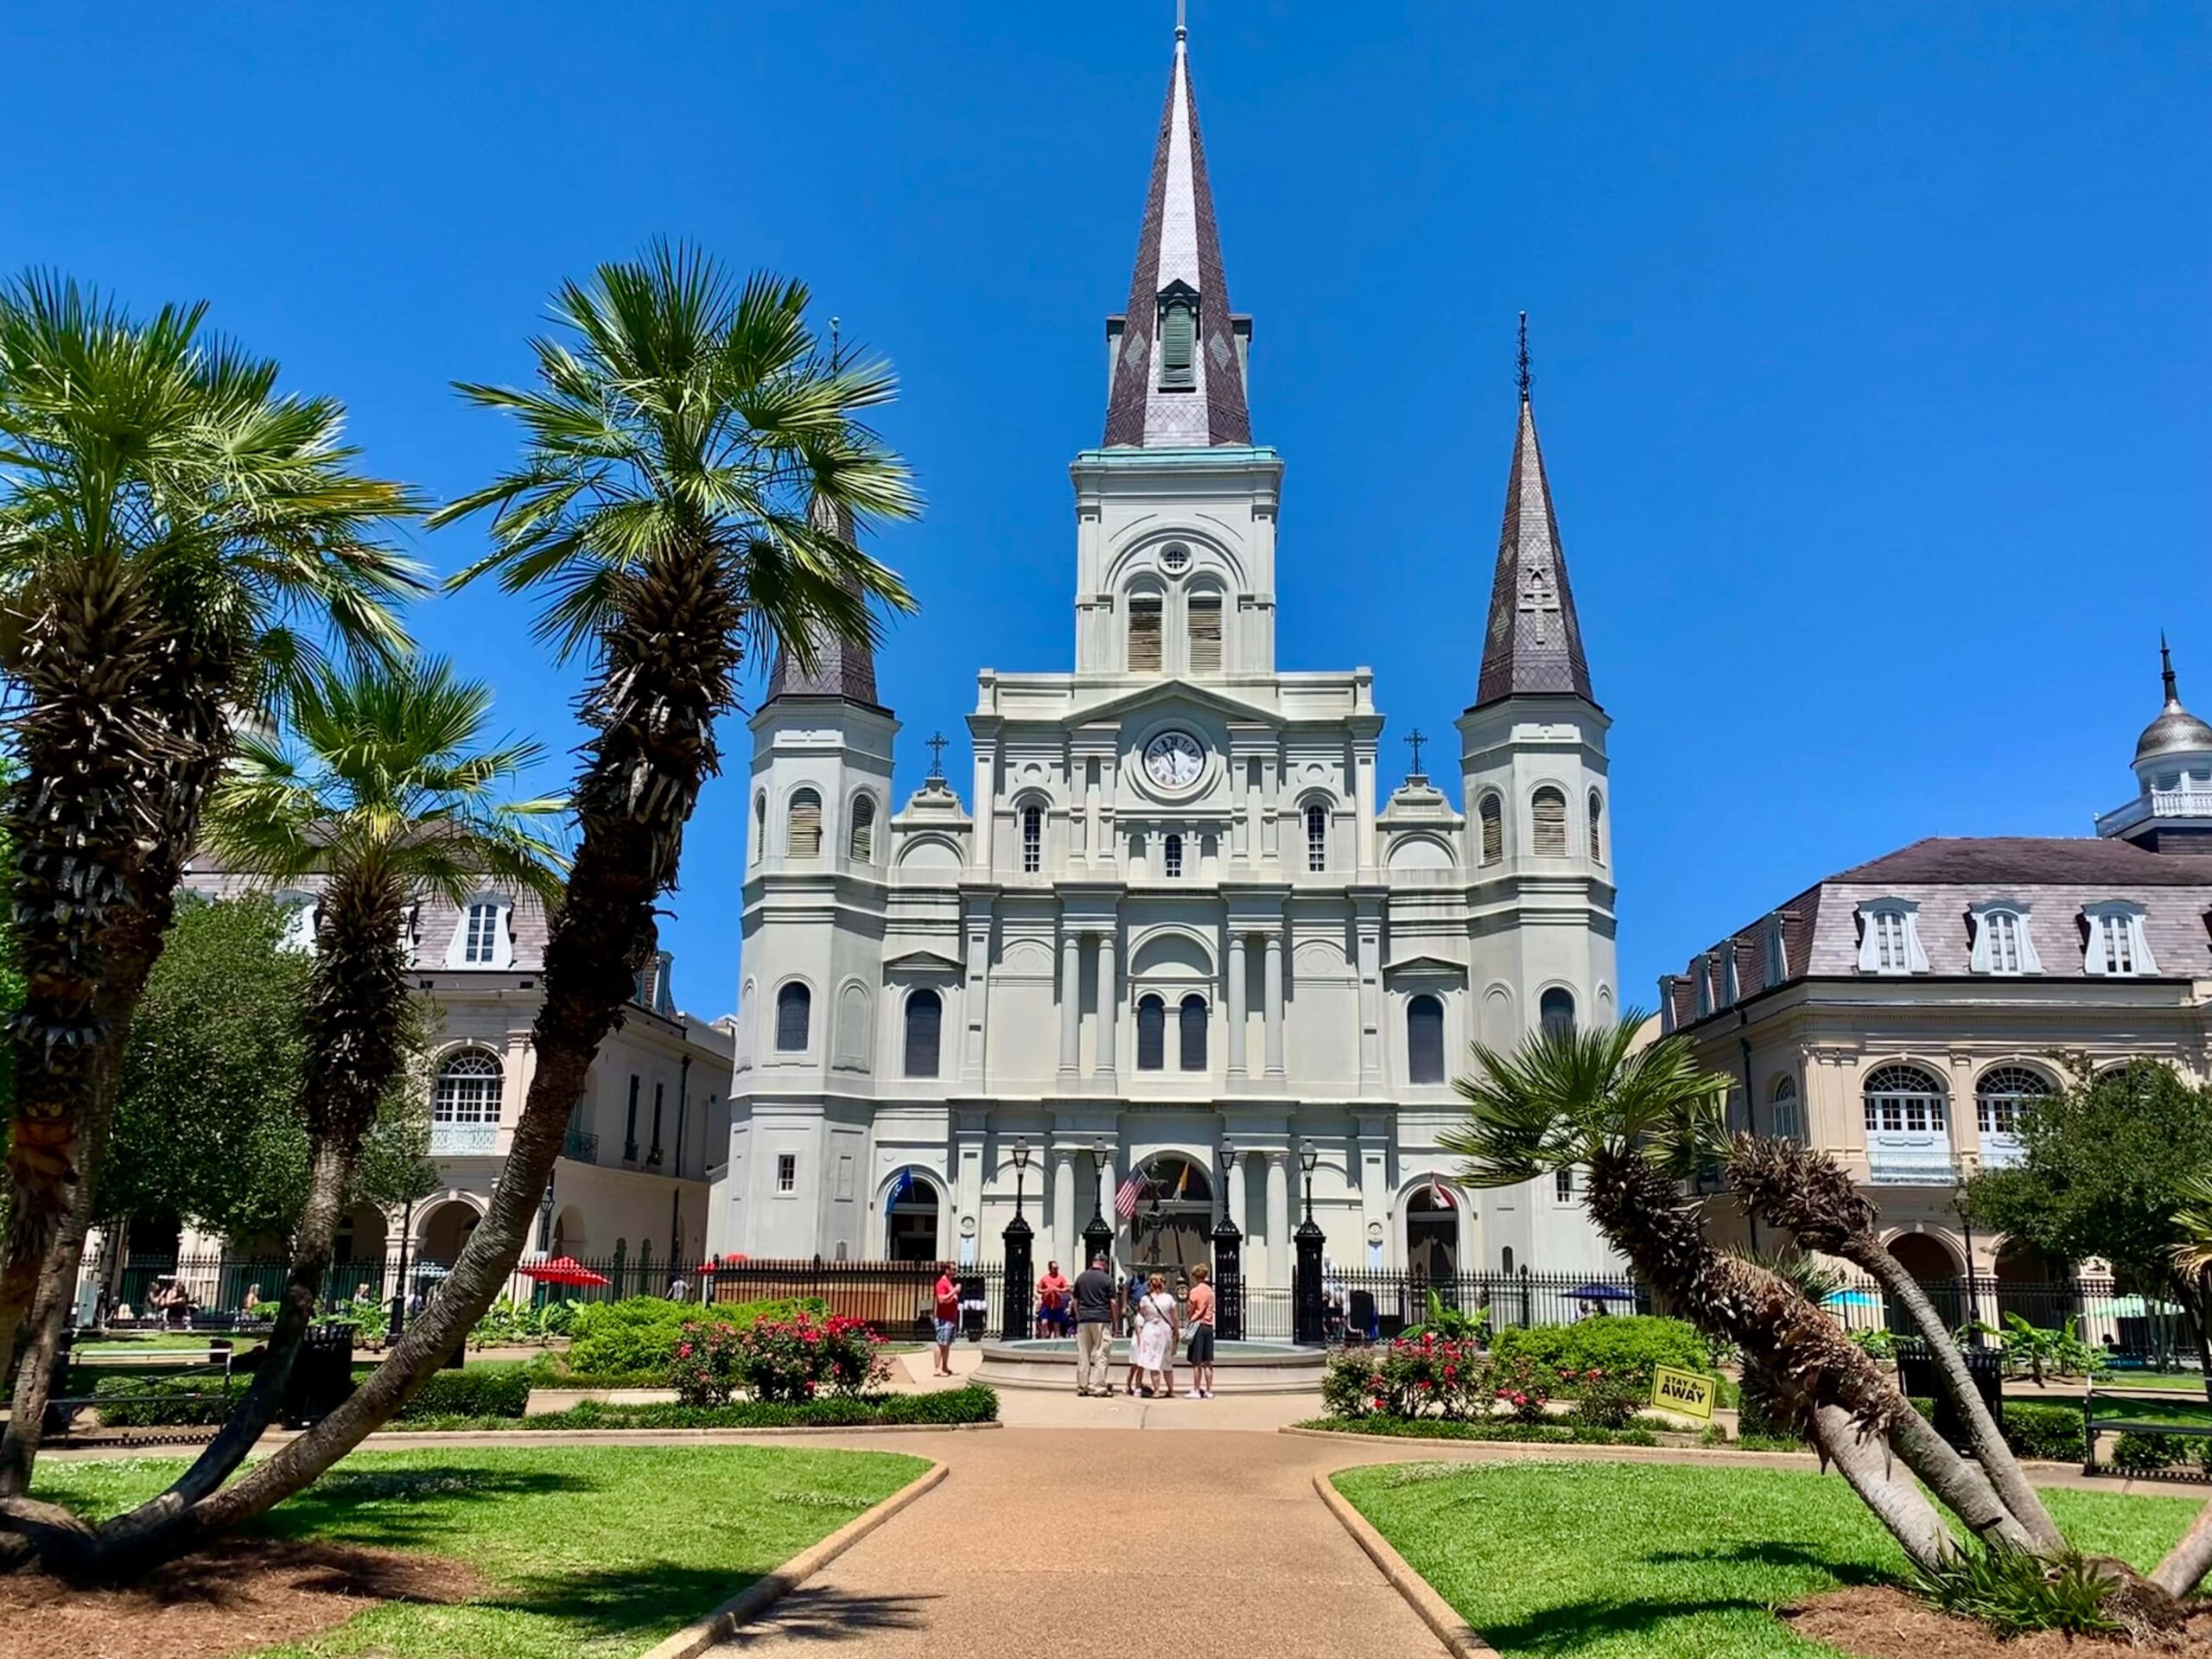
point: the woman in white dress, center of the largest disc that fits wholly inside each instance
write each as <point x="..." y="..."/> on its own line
<point x="1155" y="1334"/>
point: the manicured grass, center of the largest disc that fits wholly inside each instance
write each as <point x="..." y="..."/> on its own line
<point x="1613" y="1561"/>
<point x="597" y="1552"/>
<point x="2174" y="1413"/>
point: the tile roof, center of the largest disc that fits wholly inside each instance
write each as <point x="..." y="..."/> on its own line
<point x="2028" y="860"/>
<point x="1178" y="242"/>
<point x="1534" y="643"/>
<point x="843" y="668"/>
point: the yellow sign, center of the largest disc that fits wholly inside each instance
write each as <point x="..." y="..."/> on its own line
<point x="1685" y="1392"/>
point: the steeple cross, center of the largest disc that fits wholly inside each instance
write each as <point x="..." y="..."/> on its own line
<point x="1539" y="603"/>
<point x="936" y="746"/>
<point x="1414" y="739"/>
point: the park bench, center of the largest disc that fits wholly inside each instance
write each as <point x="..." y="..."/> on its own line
<point x="2108" y="1413"/>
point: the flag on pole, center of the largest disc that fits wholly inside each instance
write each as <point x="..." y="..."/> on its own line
<point x="1437" y="1195"/>
<point x="1184" y="1185"/>
<point x="1128" y="1195"/>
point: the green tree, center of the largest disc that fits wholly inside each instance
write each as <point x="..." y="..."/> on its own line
<point x="692" y="458"/>
<point x="177" y="539"/>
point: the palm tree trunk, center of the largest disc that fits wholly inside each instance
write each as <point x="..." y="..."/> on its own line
<point x="1882" y="1485"/>
<point x="2188" y="1561"/>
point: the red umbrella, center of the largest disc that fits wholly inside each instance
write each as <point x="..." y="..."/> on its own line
<point x="561" y="1270"/>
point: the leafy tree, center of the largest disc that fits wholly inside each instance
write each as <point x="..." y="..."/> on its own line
<point x="177" y="537"/>
<point x="693" y="460"/>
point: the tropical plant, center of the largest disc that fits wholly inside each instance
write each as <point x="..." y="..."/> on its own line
<point x="694" y="463"/>
<point x="2014" y="1593"/>
<point x="389" y="791"/>
<point x="2034" y="1351"/>
<point x="1451" y="1323"/>
<point x="177" y="537"/>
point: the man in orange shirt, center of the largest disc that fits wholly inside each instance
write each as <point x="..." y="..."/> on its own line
<point x="1053" y="1302"/>
<point x="948" y="1318"/>
<point x="1201" y="1320"/>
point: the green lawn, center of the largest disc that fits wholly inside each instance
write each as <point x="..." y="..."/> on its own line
<point x="1616" y="1561"/>
<point x="589" y="1551"/>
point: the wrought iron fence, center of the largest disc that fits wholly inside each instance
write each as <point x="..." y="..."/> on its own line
<point x="897" y="1299"/>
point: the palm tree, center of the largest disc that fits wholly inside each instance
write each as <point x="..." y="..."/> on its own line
<point x="679" y="438"/>
<point x="1640" y="1118"/>
<point x="178" y="541"/>
<point x="388" y="794"/>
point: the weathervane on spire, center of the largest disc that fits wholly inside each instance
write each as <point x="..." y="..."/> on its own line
<point x="1522" y="360"/>
<point x="2166" y="668"/>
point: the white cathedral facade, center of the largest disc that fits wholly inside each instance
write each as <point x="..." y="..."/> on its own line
<point x="1172" y="931"/>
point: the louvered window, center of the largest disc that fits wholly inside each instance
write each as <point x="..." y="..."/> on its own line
<point x="863" y="840"/>
<point x="1425" y="1040"/>
<point x="1597" y="820"/>
<point x="1492" y="812"/>
<point x="805" y="836"/>
<point x="1152" y="1034"/>
<point x="1206" y="634"/>
<point x="924" y="1021"/>
<point x="1178" y="341"/>
<point x="1191" y="1035"/>
<point x="1144" y="634"/>
<point x="1548" y="817"/>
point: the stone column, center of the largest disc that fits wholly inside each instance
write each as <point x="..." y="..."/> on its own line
<point x="1239" y="1006"/>
<point x="1065" y="1245"/>
<point x="984" y="803"/>
<point x="1368" y="924"/>
<point x="1274" y="1002"/>
<point x="1278" y="1220"/>
<point x="1071" y="998"/>
<point x="1109" y="1003"/>
<point x="1233" y="1179"/>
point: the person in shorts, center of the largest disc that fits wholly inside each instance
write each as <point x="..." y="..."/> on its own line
<point x="1053" y="1317"/>
<point x="947" y="1313"/>
<point x="1201" y="1320"/>
<point x="1096" y="1306"/>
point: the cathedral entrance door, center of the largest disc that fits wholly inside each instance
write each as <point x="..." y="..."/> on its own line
<point x="1173" y="1230"/>
<point x="1432" y="1237"/>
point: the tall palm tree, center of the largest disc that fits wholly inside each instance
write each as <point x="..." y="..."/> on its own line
<point x="388" y="792"/>
<point x="178" y="541"/>
<point x="1639" y="1118"/>
<point x="681" y="431"/>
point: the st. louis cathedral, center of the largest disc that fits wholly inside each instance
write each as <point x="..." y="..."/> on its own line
<point x="1169" y="933"/>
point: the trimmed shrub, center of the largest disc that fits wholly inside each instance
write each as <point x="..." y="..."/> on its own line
<point x="1604" y="1401"/>
<point x="972" y="1404"/>
<point x="488" y="1392"/>
<point x="636" y="1335"/>
<point x="1629" y="1345"/>
<point x="2149" y="1454"/>
<point x="2041" y="1431"/>
<point x="786" y="1360"/>
<point x="1352" y="1385"/>
<point x="164" y="1402"/>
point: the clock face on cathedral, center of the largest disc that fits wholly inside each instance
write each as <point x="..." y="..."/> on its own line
<point x="1173" y="760"/>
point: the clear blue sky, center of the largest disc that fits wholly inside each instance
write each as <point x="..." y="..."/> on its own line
<point x="1871" y="347"/>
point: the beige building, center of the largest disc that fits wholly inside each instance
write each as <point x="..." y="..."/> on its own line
<point x="1898" y="1013"/>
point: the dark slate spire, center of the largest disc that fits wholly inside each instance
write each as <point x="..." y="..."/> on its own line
<point x="1534" y="643"/>
<point x="1155" y="402"/>
<point x="841" y="668"/>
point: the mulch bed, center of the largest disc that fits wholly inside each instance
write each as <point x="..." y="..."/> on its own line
<point x="1877" y="1622"/>
<point x="252" y="1593"/>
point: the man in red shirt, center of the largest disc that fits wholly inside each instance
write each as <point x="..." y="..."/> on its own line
<point x="948" y="1318"/>
<point x="1053" y="1302"/>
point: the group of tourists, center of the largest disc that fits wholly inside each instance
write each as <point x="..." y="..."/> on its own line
<point x="1157" y="1323"/>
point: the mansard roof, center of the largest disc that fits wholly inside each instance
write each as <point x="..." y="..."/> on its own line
<point x="1534" y="642"/>
<point x="1179" y="247"/>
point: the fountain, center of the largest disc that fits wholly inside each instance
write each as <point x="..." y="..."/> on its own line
<point x="1239" y="1367"/>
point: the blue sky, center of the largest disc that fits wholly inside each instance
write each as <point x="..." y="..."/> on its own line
<point x="1871" y="348"/>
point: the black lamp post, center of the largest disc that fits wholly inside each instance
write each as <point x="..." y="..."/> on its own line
<point x="1013" y="1319"/>
<point x="1228" y="1258"/>
<point x="398" y="1323"/>
<point x="1097" y="1236"/>
<point x="1307" y="1326"/>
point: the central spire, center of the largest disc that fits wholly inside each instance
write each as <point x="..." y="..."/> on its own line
<point x="1179" y="362"/>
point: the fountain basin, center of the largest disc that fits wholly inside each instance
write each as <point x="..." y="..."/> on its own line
<point x="1239" y="1367"/>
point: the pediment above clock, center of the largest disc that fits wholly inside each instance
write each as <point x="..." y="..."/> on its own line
<point x="1181" y="694"/>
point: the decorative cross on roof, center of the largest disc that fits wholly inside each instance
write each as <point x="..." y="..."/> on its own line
<point x="1414" y="739"/>
<point x="1539" y="603"/>
<point x="936" y="746"/>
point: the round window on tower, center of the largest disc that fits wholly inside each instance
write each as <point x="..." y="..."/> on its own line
<point x="1174" y="556"/>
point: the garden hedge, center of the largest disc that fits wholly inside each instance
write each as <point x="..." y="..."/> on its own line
<point x="1454" y="1428"/>
<point x="972" y="1404"/>
<point x="637" y="1335"/>
<point x="2044" y="1431"/>
<point x="491" y="1392"/>
<point x="164" y="1402"/>
<point x="1626" y="1344"/>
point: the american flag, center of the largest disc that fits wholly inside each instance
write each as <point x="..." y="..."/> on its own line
<point x="1129" y="1193"/>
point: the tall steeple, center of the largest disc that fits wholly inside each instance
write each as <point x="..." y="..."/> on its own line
<point x="1178" y="376"/>
<point x="1534" y="643"/>
<point x="843" y="668"/>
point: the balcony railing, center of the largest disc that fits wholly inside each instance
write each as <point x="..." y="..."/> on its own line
<point x="2000" y="1151"/>
<point x="1910" y="1159"/>
<point x="580" y="1145"/>
<point x="463" y="1140"/>
<point x="2159" y="804"/>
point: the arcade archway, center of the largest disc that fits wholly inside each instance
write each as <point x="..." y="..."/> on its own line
<point x="1173" y="1228"/>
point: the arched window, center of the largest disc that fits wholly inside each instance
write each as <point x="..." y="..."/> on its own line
<point x="1506" y="1257"/>
<point x="1547" y="823"/>
<point x="1152" y="1034"/>
<point x="467" y="1088"/>
<point x="2001" y="1093"/>
<point x="1144" y="634"/>
<point x="1782" y="1117"/>
<point x="1317" y="836"/>
<point x="1425" y="1040"/>
<point x="925" y="1022"/>
<point x="794" y="1013"/>
<point x="1492" y="815"/>
<point x="805" y="827"/>
<point x="1032" y="840"/>
<point x="1556" y="1009"/>
<point x="1904" y="1100"/>
<point x="1171" y="858"/>
<point x="1204" y="623"/>
<point x="1597" y="820"/>
<point x="760" y="826"/>
<point x="863" y="835"/>
<point x="1191" y="1034"/>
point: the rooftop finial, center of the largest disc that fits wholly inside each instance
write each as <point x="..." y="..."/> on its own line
<point x="1526" y="379"/>
<point x="2166" y="669"/>
<point x="1182" y="22"/>
<point x="836" y="330"/>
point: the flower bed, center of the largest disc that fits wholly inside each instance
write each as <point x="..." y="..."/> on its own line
<point x="947" y="1407"/>
<point x="788" y="1360"/>
<point x="1425" y="1380"/>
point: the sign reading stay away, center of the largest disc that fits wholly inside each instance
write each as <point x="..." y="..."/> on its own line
<point x="1681" y="1391"/>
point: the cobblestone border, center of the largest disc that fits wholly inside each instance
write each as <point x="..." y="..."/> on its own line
<point x="1458" y="1638"/>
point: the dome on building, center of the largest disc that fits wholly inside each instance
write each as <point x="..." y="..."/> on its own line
<point x="2176" y="731"/>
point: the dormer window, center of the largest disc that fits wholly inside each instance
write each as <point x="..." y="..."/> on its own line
<point x="1701" y="977"/>
<point x="1178" y="339"/>
<point x="1777" y="951"/>
<point x="2116" y="946"/>
<point x="1889" y="937"/>
<point x="2001" y="940"/>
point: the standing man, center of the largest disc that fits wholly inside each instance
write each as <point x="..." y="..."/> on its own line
<point x="1053" y="1301"/>
<point x="1094" y="1327"/>
<point x="948" y="1318"/>
<point x="1201" y="1334"/>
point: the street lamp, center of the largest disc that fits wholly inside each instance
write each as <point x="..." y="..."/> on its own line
<point x="1016" y="1313"/>
<point x="1308" y="1157"/>
<point x="1228" y="1256"/>
<point x="1308" y="1322"/>
<point x="1020" y="1170"/>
